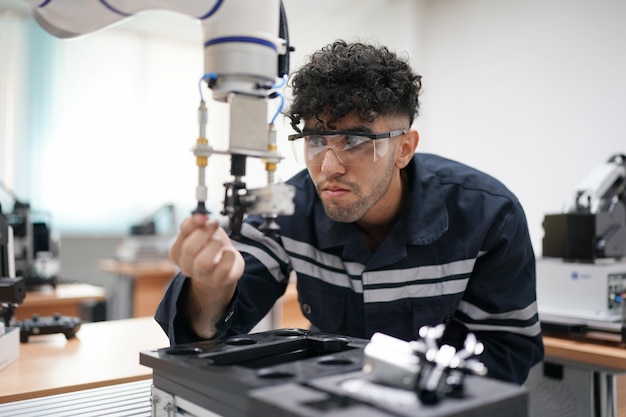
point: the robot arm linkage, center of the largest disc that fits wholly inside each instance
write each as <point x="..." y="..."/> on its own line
<point x="607" y="182"/>
<point x="593" y="224"/>
<point x="246" y="49"/>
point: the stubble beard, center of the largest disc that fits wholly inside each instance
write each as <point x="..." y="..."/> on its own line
<point x="360" y="207"/>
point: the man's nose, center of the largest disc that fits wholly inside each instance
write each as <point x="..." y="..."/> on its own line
<point x="331" y="162"/>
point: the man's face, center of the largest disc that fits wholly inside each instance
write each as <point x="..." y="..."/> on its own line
<point x="349" y="192"/>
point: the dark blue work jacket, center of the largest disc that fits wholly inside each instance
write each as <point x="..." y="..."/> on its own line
<point x="461" y="250"/>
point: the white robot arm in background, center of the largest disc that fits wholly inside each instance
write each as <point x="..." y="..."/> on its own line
<point x="593" y="223"/>
<point x="605" y="182"/>
<point x="246" y="50"/>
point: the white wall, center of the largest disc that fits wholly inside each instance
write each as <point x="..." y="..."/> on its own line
<point x="530" y="91"/>
<point x="13" y="38"/>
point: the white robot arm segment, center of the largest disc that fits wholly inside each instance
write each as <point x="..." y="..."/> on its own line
<point x="245" y="51"/>
<point x="593" y="224"/>
<point x="597" y="185"/>
<point x="241" y="42"/>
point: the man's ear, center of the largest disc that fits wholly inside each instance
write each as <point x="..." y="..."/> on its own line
<point x="406" y="148"/>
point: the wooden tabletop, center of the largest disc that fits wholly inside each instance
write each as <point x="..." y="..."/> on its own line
<point x="107" y="353"/>
<point x="150" y="279"/>
<point x="103" y="353"/>
<point x="63" y="294"/>
<point x="139" y="268"/>
<point x="598" y="354"/>
<point x="65" y="299"/>
<point x="606" y="354"/>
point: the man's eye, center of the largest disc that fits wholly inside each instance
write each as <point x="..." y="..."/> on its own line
<point x="354" y="141"/>
<point x="315" y="141"/>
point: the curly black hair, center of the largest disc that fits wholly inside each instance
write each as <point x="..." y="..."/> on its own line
<point x="342" y="77"/>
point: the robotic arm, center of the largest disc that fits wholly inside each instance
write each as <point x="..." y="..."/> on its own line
<point x="606" y="183"/>
<point x="593" y="224"/>
<point x="246" y="49"/>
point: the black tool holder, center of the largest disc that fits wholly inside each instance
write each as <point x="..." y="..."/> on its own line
<point x="12" y="290"/>
<point x="295" y="372"/>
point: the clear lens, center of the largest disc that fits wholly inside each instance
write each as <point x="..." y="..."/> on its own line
<point x="350" y="149"/>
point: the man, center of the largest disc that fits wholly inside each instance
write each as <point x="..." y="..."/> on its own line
<point x="382" y="239"/>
